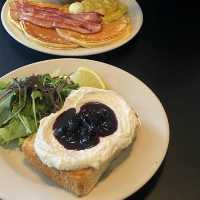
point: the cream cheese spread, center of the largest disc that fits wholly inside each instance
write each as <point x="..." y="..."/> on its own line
<point x="53" y="154"/>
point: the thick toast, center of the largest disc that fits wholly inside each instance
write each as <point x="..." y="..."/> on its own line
<point x="79" y="182"/>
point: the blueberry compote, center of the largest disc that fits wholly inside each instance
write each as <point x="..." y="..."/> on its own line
<point x="82" y="130"/>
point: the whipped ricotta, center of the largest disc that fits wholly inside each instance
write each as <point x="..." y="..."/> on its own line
<point x="53" y="154"/>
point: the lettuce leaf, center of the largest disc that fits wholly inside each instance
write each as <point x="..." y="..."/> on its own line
<point x="34" y="95"/>
<point x="3" y="85"/>
<point x="5" y="111"/>
<point x="20" y="126"/>
<point x="25" y="101"/>
<point x="16" y="121"/>
<point x="12" y="131"/>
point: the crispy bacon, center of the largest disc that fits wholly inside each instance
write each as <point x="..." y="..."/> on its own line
<point x="87" y="22"/>
<point x="87" y="16"/>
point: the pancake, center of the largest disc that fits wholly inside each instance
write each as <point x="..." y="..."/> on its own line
<point x="111" y="32"/>
<point x="47" y="4"/>
<point x="45" y="36"/>
<point x="12" y="21"/>
<point x="42" y="36"/>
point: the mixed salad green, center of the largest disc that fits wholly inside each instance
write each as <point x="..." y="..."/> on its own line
<point x="24" y="101"/>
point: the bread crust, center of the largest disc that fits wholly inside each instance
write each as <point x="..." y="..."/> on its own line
<point x="79" y="182"/>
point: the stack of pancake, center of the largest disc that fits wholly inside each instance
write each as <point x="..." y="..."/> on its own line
<point x="84" y="30"/>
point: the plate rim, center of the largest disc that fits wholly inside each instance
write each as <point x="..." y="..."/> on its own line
<point x="84" y="52"/>
<point x="157" y="166"/>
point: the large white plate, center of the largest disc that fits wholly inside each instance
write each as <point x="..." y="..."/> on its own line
<point x="134" y="11"/>
<point x="133" y="168"/>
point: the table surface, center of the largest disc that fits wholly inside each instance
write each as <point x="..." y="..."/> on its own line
<point x="165" y="56"/>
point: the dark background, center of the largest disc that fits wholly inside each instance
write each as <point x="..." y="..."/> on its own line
<point x="165" y="56"/>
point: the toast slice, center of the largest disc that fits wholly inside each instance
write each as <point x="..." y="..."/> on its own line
<point x="79" y="182"/>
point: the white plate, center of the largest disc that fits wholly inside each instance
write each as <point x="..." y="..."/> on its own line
<point x="134" y="11"/>
<point x="137" y="165"/>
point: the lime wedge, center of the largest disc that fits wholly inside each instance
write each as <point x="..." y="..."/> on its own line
<point x="86" y="77"/>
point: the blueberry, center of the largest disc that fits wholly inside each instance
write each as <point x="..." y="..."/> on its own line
<point x="59" y="132"/>
<point x="82" y="130"/>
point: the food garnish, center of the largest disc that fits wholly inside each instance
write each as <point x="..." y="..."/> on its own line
<point x="86" y="77"/>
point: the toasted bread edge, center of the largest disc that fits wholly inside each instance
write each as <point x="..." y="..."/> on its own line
<point x="79" y="182"/>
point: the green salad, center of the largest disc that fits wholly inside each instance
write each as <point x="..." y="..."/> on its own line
<point x="25" y="101"/>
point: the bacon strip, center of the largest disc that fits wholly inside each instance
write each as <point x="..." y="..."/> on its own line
<point x="88" y="16"/>
<point x="89" y="22"/>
